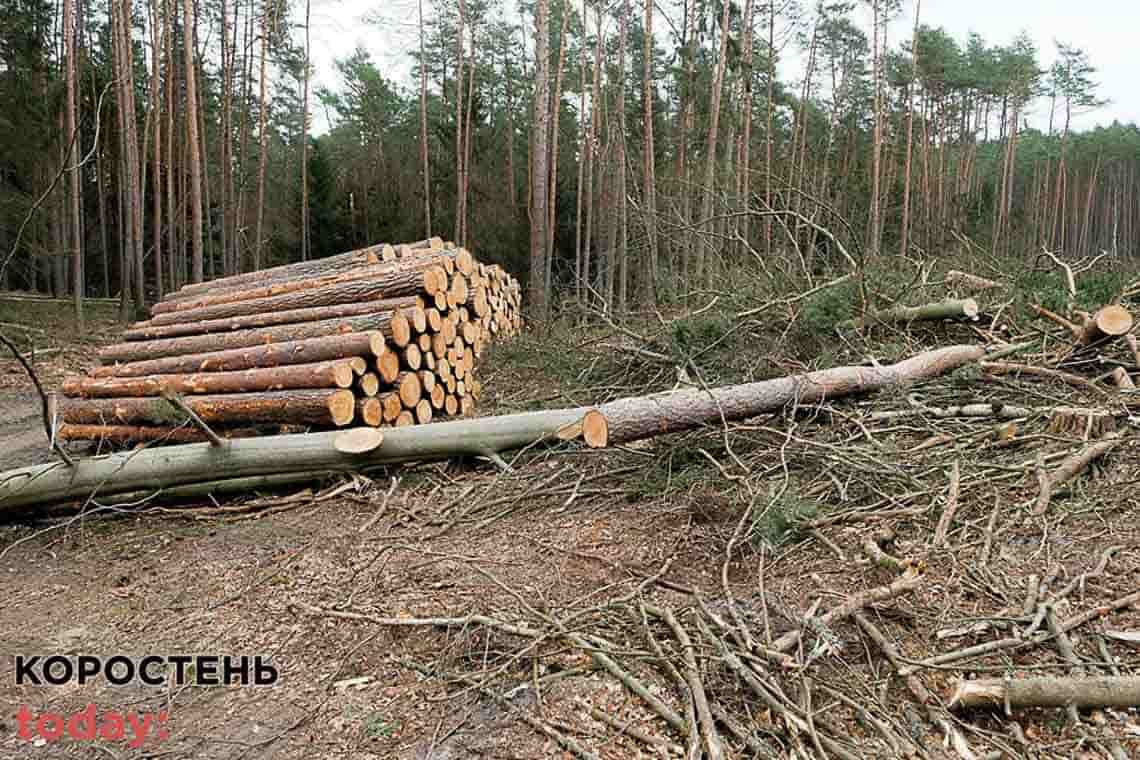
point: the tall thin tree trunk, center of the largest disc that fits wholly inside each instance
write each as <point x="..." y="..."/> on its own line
<point x="556" y="107"/>
<point x="305" y="253"/>
<point x="904" y="239"/>
<point x="156" y="164"/>
<point x="263" y="138"/>
<point x="744" y="188"/>
<point x="583" y="153"/>
<point x="704" y="271"/>
<point x="539" y="153"/>
<point x="423" y="126"/>
<point x="174" y="272"/>
<point x="649" y="191"/>
<point x="459" y="123"/>
<point x="768" y="129"/>
<point x="877" y="138"/>
<point x="192" y="137"/>
<point x="74" y="153"/>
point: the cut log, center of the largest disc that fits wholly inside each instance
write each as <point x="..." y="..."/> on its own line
<point x="1108" y="323"/>
<point x="412" y="357"/>
<point x="427" y="380"/>
<point x="966" y="308"/>
<point x="423" y="411"/>
<point x="408" y="386"/>
<point x="325" y="348"/>
<point x="466" y="406"/>
<point x="369" y="384"/>
<point x="391" y="406"/>
<point x="450" y="405"/>
<point x="405" y="419"/>
<point x="619" y="421"/>
<point x="314" y="268"/>
<point x="392" y="324"/>
<point x="969" y="281"/>
<point x="345" y="262"/>
<point x="330" y="374"/>
<point x="147" y="331"/>
<point x="358" y="440"/>
<point x="438" y="394"/>
<point x="434" y="319"/>
<point x="366" y="284"/>
<point x="128" y="434"/>
<point x="423" y="340"/>
<point x="369" y="411"/>
<point x="1080" y="692"/>
<point x="359" y="365"/>
<point x="306" y="407"/>
<point x="388" y="366"/>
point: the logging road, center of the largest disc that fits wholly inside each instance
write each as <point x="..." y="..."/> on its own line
<point x="22" y="439"/>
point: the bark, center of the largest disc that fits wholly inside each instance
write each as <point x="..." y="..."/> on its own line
<point x="324" y="348"/>
<point x="263" y="139"/>
<point x="330" y="374"/>
<point x="548" y="265"/>
<point x="305" y="252"/>
<point x="389" y="283"/>
<point x="423" y="127"/>
<point x="539" y="155"/>
<point x="126" y="434"/>
<point x="391" y="325"/>
<point x="71" y="132"/>
<point x="710" y="148"/>
<point x="905" y="234"/>
<point x="1049" y="691"/>
<point x="649" y="190"/>
<point x="146" y="331"/>
<point x="952" y="309"/>
<point x="171" y="311"/>
<point x="306" y="407"/>
<point x="642" y="417"/>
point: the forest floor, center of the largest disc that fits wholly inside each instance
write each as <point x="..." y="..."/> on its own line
<point x="762" y="526"/>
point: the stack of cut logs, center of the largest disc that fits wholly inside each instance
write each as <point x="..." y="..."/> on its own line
<point x="386" y="335"/>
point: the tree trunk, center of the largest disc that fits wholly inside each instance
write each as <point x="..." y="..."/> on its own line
<point x="263" y="140"/>
<point x="74" y="156"/>
<point x="710" y="151"/>
<point x="146" y="331"/>
<point x="548" y="265"/>
<point x="649" y="189"/>
<point x="904" y="238"/>
<point x="129" y="434"/>
<point x="348" y="289"/>
<point x="953" y="309"/>
<point x="293" y="407"/>
<point x="539" y="154"/>
<point x="319" y="349"/>
<point x="617" y="422"/>
<point x="459" y="122"/>
<point x="330" y="374"/>
<point x="423" y="127"/>
<point x="392" y="324"/>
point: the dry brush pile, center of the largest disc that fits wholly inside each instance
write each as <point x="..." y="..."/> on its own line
<point x="385" y="335"/>
<point x="947" y="568"/>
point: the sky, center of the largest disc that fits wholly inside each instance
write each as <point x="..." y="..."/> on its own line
<point x="1106" y="29"/>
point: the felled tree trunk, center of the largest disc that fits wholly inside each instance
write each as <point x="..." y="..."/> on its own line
<point x="332" y="374"/>
<point x="1080" y="692"/>
<point x="969" y="281"/>
<point x="966" y="308"/>
<point x="616" y="422"/>
<point x="644" y="416"/>
<point x="296" y="407"/>
<point x="146" y="331"/>
<point x="320" y="349"/>
<point x="393" y="325"/>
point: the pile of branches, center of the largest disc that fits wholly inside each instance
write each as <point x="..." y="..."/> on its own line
<point x="385" y="335"/>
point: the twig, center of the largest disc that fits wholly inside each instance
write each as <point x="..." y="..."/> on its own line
<point x="951" y="505"/>
<point x="45" y="404"/>
<point x="176" y="401"/>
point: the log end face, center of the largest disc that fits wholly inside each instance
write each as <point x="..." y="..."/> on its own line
<point x="343" y="374"/>
<point x="1114" y="320"/>
<point x="401" y="330"/>
<point x="423" y="411"/>
<point x="595" y="429"/>
<point x="376" y="342"/>
<point x="410" y="390"/>
<point x="359" y="440"/>
<point x="342" y="407"/>
<point x="388" y="366"/>
<point x="405" y="419"/>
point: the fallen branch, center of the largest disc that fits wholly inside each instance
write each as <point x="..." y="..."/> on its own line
<point x="1070" y="468"/>
<point x="966" y="308"/>
<point x="1096" y="691"/>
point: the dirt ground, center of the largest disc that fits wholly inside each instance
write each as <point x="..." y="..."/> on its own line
<point x="581" y="543"/>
